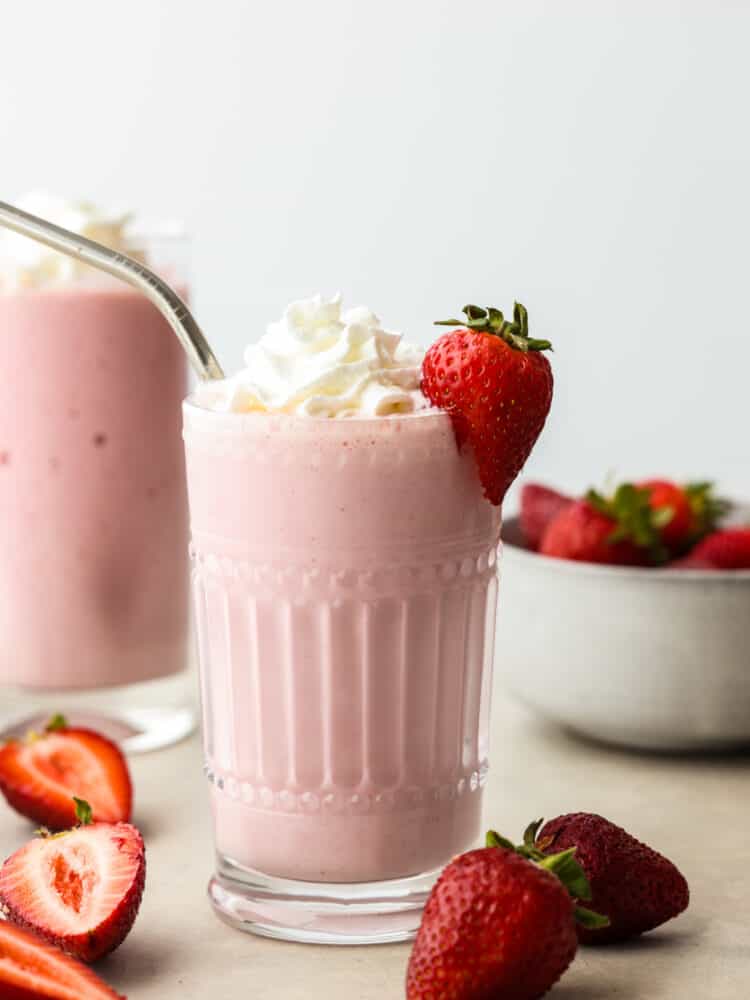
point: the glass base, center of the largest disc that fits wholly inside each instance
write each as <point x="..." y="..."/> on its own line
<point x="318" y="912"/>
<point x="138" y="717"/>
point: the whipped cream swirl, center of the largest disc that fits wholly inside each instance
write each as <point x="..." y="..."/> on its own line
<point x="26" y="264"/>
<point x="319" y="361"/>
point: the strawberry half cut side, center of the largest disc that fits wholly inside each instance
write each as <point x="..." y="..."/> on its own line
<point x="40" y="775"/>
<point x="79" y="890"/>
<point x="33" y="970"/>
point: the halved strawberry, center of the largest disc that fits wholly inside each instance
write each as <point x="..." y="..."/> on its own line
<point x="40" y="775"/>
<point x="80" y="890"/>
<point x="33" y="970"/>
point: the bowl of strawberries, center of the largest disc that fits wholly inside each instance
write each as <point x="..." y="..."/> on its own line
<point x="625" y="616"/>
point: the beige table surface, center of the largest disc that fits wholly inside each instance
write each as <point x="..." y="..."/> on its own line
<point x="696" y="810"/>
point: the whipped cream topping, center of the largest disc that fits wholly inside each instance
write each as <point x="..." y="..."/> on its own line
<point x="24" y="263"/>
<point x="320" y="361"/>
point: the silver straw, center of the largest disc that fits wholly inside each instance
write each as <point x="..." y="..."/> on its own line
<point x="168" y="302"/>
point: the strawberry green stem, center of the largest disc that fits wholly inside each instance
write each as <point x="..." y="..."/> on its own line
<point x="563" y="865"/>
<point x="84" y="812"/>
<point x="514" y="332"/>
<point x="56" y="723"/>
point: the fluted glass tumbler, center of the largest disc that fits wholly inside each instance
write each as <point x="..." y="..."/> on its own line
<point x="94" y="600"/>
<point x="344" y="579"/>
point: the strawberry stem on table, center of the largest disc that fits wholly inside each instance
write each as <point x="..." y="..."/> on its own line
<point x="84" y="812"/>
<point x="563" y="865"/>
<point x="514" y="332"/>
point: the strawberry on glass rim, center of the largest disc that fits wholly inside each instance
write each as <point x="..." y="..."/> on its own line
<point x="495" y="382"/>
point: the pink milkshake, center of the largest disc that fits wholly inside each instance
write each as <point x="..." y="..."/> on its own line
<point x="345" y="588"/>
<point x="93" y="514"/>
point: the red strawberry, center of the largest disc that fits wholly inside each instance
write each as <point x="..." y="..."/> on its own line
<point x="727" y="549"/>
<point x="500" y="924"/>
<point x="693" y="511"/>
<point x="495" y="925"/>
<point x="79" y="890"/>
<point x="40" y="776"/>
<point x="594" y="530"/>
<point x="634" y="886"/>
<point x="495" y="383"/>
<point x="539" y="506"/>
<point x="33" y="970"/>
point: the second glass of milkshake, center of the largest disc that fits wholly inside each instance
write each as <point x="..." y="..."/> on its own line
<point x="344" y="579"/>
<point x="94" y="599"/>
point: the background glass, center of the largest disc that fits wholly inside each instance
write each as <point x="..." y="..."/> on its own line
<point x="93" y="513"/>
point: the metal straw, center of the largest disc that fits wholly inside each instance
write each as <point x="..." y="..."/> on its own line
<point x="168" y="302"/>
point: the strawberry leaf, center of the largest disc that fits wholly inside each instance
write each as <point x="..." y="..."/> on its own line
<point x="662" y="516"/>
<point x="56" y="723"/>
<point x="563" y="865"/>
<point x="570" y="873"/>
<point x="84" y="812"/>
<point x="707" y="509"/>
<point x="529" y="834"/>
<point x="490" y="320"/>
<point x="635" y="520"/>
<point x="521" y="318"/>
<point x="590" y="920"/>
<point x="495" y="840"/>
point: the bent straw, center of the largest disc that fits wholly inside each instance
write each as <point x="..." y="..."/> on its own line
<point x="169" y="303"/>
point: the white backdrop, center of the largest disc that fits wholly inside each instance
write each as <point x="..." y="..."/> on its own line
<point x="592" y="160"/>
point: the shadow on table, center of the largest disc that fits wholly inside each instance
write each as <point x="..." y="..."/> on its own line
<point x="568" y="991"/>
<point x="151" y="822"/>
<point x="662" y="939"/>
<point x="552" y="733"/>
<point x="612" y="977"/>
<point x="136" y="963"/>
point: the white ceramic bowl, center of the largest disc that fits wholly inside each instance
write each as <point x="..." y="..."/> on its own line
<point x="655" y="659"/>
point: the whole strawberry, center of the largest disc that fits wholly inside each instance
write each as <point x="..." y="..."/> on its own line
<point x="539" y="506"/>
<point x="496" y="384"/>
<point x="498" y="925"/>
<point x="637" y="888"/>
<point x="622" y="530"/>
<point x="688" y="512"/>
<point x="727" y="549"/>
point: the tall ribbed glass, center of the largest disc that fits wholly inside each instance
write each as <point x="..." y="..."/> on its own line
<point x="94" y="603"/>
<point x="344" y="578"/>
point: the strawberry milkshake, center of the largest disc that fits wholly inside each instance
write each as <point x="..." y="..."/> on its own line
<point x="344" y="578"/>
<point x="93" y="513"/>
